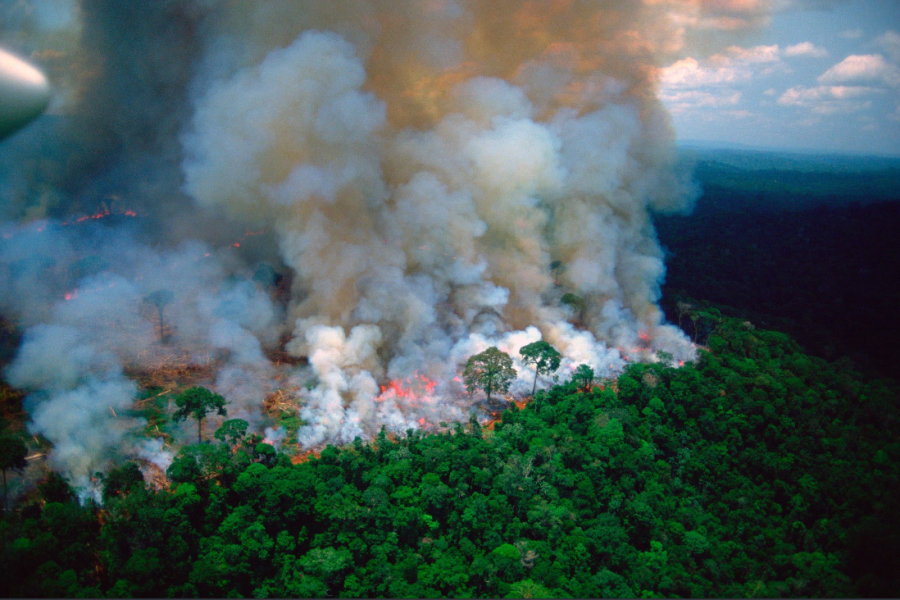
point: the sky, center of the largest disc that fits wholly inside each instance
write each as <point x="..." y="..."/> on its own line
<point x="822" y="76"/>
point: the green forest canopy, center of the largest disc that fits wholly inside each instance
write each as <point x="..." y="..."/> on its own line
<point x="756" y="471"/>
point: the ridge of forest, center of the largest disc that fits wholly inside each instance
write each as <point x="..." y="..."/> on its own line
<point x="756" y="471"/>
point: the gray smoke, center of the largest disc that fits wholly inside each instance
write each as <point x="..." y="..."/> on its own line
<point x="431" y="177"/>
<point x="90" y="329"/>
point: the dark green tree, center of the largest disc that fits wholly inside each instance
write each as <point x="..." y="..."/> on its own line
<point x="160" y="299"/>
<point x="197" y="402"/>
<point x="583" y="376"/>
<point x="122" y="480"/>
<point x="56" y="489"/>
<point x="12" y="456"/>
<point x="266" y="453"/>
<point x="232" y="431"/>
<point x="543" y="356"/>
<point x="491" y="370"/>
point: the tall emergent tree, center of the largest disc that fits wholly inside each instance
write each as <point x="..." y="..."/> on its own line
<point x="160" y="299"/>
<point x="491" y="370"/>
<point x="197" y="402"/>
<point x="12" y="456"/>
<point x="543" y="356"/>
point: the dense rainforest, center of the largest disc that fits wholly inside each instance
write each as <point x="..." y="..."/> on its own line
<point x="802" y="244"/>
<point x="767" y="468"/>
<point x="758" y="470"/>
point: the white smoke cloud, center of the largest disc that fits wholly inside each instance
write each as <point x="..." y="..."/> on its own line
<point x="79" y="388"/>
<point x="417" y="247"/>
<point x="431" y="178"/>
<point x="154" y="451"/>
<point x="95" y="327"/>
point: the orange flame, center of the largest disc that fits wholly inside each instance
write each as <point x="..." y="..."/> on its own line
<point x="417" y="387"/>
<point x="415" y="391"/>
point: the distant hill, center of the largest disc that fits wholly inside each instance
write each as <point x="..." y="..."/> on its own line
<point x="747" y="180"/>
<point x="781" y="158"/>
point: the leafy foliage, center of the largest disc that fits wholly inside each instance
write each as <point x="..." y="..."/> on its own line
<point x="197" y="402"/>
<point x="122" y="480"/>
<point x="232" y="431"/>
<point x="491" y="371"/>
<point x="756" y="471"/>
<point x="543" y="356"/>
<point x="584" y="375"/>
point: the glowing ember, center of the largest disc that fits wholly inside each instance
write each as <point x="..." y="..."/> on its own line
<point x="100" y="215"/>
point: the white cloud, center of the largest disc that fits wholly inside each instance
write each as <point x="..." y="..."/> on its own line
<point x="806" y="49"/>
<point x="755" y="55"/>
<point x="889" y="41"/>
<point x="852" y="34"/>
<point x="713" y="83"/>
<point x="681" y="101"/>
<point x="733" y="65"/>
<point x="862" y="68"/>
<point x="723" y="15"/>
<point x="800" y="95"/>
<point x="688" y="72"/>
<point x="828" y="99"/>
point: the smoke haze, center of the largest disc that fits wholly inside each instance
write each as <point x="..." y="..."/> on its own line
<point x="430" y="178"/>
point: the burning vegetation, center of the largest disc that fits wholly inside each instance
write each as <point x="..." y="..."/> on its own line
<point x="325" y="220"/>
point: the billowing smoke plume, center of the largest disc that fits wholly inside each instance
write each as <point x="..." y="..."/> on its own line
<point x="91" y="300"/>
<point x="432" y="178"/>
